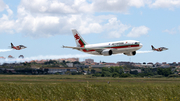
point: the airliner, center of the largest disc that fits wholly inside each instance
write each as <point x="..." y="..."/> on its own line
<point x="128" y="47"/>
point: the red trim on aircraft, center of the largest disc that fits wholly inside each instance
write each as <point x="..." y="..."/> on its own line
<point x="117" y="47"/>
<point x="81" y="42"/>
<point x="76" y="36"/>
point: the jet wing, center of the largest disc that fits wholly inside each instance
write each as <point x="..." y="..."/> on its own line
<point x="82" y="48"/>
<point x="79" y="48"/>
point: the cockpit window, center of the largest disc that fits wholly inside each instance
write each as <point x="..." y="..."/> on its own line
<point x="136" y="42"/>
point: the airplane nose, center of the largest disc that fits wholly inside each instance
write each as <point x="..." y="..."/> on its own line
<point x="141" y="44"/>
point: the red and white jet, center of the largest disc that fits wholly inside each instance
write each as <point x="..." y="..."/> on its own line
<point x="128" y="47"/>
<point x="159" y="49"/>
<point x="17" y="47"/>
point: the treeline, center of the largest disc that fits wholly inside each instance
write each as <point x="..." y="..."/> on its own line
<point x="145" y="72"/>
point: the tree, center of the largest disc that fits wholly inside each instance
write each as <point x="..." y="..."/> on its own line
<point x="106" y="74"/>
<point x="134" y="72"/>
<point x="164" y="71"/>
<point x="93" y="71"/>
<point x="97" y="74"/>
<point x="115" y="74"/>
<point x="105" y="69"/>
<point x="125" y="75"/>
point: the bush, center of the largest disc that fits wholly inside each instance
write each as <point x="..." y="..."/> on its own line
<point x="157" y="76"/>
<point x="115" y="74"/>
<point x="97" y="75"/>
<point x="173" y="75"/>
<point x="106" y="74"/>
<point x="125" y="75"/>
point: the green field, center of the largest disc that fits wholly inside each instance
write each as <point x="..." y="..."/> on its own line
<point x="87" y="88"/>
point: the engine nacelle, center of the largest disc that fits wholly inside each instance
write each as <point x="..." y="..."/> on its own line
<point x="130" y="53"/>
<point x="107" y="52"/>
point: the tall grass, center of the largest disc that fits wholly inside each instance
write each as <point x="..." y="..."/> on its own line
<point x="81" y="89"/>
<point x="89" y="91"/>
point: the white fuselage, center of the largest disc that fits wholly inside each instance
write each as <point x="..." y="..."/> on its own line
<point x="117" y="47"/>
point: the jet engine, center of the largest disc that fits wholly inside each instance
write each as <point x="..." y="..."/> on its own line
<point x="107" y="52"/>
<point x="130" y="53"/>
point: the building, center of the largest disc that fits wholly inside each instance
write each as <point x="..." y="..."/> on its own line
<point x="111" y="64"/>
<point x="97" y="66"/>
<point x="61" y="70"/>
<point x="81" y="66"/>
<point x="139" y="70"/>
<point x="123" y="63"/>
<point x="89" y="60"/>
<point x="69" y="64"/>
<point x="165" y="65"/>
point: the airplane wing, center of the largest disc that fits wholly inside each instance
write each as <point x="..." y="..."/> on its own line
<point x="79" y="48"/>
<point x="82" y="48"/>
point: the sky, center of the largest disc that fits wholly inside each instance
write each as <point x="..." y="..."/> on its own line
<point x="44" y="26"/>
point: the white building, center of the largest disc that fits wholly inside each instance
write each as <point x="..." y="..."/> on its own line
<point x="61" y="70"/>
<point x="69" y="64"/>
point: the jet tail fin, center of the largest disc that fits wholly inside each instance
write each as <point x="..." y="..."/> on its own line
<point x="80" y="42"/>
<point x="152" y="47"/>
<point x="12" y="45"/>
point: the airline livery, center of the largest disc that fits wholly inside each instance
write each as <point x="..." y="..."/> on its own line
<point x="159" y="49"/>
<point x="128" y="47"/>
<point x="18" y="47"/>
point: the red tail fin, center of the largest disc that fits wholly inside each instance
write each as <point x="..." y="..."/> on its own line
<point x="12" y="45"/>
<point x="152" y="47"/>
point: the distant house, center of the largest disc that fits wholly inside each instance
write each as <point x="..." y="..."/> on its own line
<point x="139" y="70"/>
<point x="126" y="71"/>
<point x="69" y="64"/>
<point x="11" y="71"/>
<point x="97" y="66"/>
<point x="111" y="64"/>
<point x="146" y="65"/>
<point x="61" y="70"/>
<point x="123" y="63"/>
<point x="81" y="66"/>
<point x="165" y="65"/>
<point x="89" y="60"/>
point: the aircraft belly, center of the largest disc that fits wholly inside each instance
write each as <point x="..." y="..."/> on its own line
<point x="125" y="50"/>
<point x="92" y="52"/>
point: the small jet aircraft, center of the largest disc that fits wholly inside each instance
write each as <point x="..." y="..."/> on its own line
<point x="159" y="49"/>
<point x="128" y="47"/>
<point x="17" y="47"/>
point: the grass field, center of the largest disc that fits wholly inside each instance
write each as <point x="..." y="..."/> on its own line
<point x="86" y="88"/>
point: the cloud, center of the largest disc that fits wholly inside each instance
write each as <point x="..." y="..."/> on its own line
<point x="171" y="4"/>
<point x="115" y="28"/>
<point x="2" y="5"/>
<point x="45" y="18"/>
<point x="138" y="3"/>
<point x="179" y="28"/>
<point x="7" y="25"/>
<point x="171" y="31"/>
<point x="138" y="31"/>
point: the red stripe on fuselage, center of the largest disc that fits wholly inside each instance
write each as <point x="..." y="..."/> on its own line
<point x="116" y="47"/>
